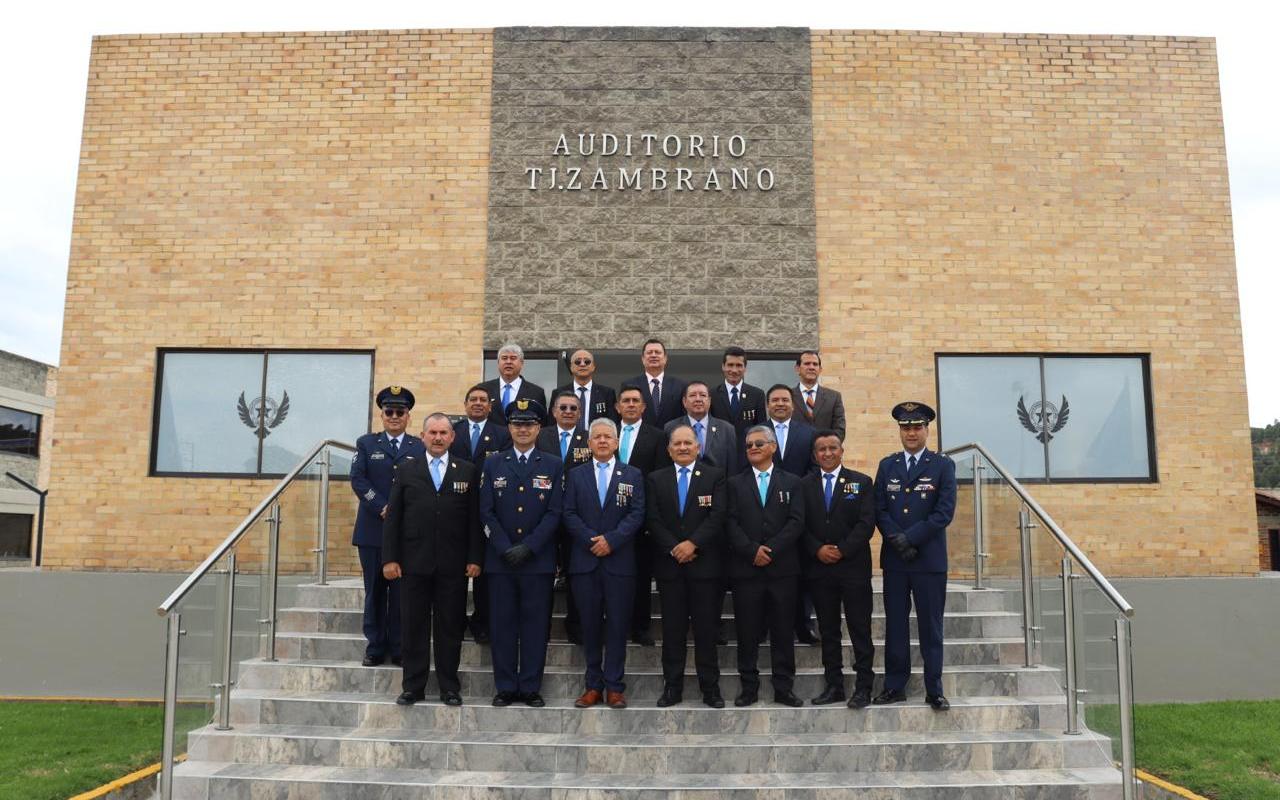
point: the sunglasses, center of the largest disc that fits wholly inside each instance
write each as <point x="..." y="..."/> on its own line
<point x="582" y="362"/>
<point x="394" y="412"/>
<point x="756" y="443"/>
<point x="574" y="409"/>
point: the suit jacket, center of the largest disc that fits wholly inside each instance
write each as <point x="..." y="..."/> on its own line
<point x="600" y="402"/>
<point x="672" y="398"/>
<point x="751" y="412"/>
<point x="579" y="451"/>
<point x="706" y="505"/>
<point x="798" y="459"/>
<point x="920" y="504"/>
<point x="828" y="409"/>
<point x="649" y="450"/>
<point x="521" y="505"/>
<point x="430" y="530"/>
<point x="618" y="521"/>
<point x="528" y="390"/>
<point x="494" y="438"/>
<point x="778" y="525"/>
<point x="371" y="472"/>
<point x="849" y="524"/>
<point x="722" y="441"/>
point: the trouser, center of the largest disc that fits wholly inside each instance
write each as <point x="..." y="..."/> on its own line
<point x="519" y="629"/>
<point x="427" y="602"/>
<point x="479" y="620"/>
<point x="830" y="594"/>
<point x="764" y="604"/>
<point x="642" y="605"/>
<point x="604" y="605"/>
<point x="381" y="606"/>
<point x="683" y="600"/>
<point x="929" y="591"/>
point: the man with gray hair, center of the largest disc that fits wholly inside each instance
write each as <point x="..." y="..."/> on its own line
<point x="510" y="386"/>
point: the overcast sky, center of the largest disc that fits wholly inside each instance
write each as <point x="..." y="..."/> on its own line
<point x="44" y="63"/>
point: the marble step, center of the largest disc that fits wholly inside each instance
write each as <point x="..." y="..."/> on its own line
<point x="350" y="647"/>
<point x="638" y="754"/>
<point x="957" y="624"/>
<point x="567" y="682"/>
<point x="379" y="710"/>
<point x="203" y="780"/>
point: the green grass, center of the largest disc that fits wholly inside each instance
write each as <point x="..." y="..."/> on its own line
<point x="1225" y="751"/>
<point x="52" y="751"/>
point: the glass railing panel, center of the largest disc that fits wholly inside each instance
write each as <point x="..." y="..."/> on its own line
<point x="344" y="561"/>
<point x="198" y="667"/>
<point x="1098" y="666"/>
<point x="1051" y="640"/>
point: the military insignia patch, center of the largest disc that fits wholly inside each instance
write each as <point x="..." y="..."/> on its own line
<point x="704" y="501"/>
<point x="500" y="483"/>
<point x="542" y="482"/>
<point x="396" y="390"/>
<point x="522" y="404"/>
<point x="461" y="487"/>
<point x="369" y="495"/>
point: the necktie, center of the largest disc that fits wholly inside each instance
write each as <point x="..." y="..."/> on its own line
<point x="584" y="412"/>
<point x="475" y="436"/>
<point x="781" y="432"/>
<point x="702" y="440"/>
<point x="735" y="405"/>
<point x="436" y="474"/>
<point x="602" y="481"/>
<point x="826" y="490"/>
<point x="564" y="444"/>
<point x="656" y="394"/>
<point x="506" y="397"/>
<point x="523" y="459"/>
<point x="395" y="447"/>
<point x="808" y="403"/>
<point x="625" y="450"/>
<point x="763" y="479"/>
<point x="682" y="488"/>
<point x="911" y="463"/>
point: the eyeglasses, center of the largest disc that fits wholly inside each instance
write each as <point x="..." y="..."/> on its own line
<point x="582" y="362"/>
<point x="394" y="412"/>
<point x="756" y="443"/>
<point x="574" y="409"/>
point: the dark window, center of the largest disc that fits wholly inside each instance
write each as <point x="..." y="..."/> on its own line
<point x="254" y="413"/>
<point x="1274" y="536"/>
<point x="19" y="432"/>
<point x="1081" y="418"/>
<point x="15" y="536"/>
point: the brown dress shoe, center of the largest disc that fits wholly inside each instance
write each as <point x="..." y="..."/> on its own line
<point x="617" y="700"/>
<point x="589" y="698"/>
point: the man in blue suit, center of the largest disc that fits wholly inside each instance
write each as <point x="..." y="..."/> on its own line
<point x="915" y="501"/>
<point x="520" y="503"/>
<point x="603" y="512"/>
<point x="377" y="455"/>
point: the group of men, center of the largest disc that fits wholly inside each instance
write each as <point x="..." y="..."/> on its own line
<point x="707" y="491"/>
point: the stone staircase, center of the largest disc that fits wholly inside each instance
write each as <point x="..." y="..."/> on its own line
<point x="315" y="724"/>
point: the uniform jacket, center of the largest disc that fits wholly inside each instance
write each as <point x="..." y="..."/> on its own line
<point x="521" y="505"/>
<point x="578" y="452"/>
<point x="649" y="450"/>
<point x="371" y="472"/>
<point x="778" y="524"/>
<point x="798" y="459"/>
<point x="828" y="409"/>
<point x="849" y="524"/>
<point x="706" y="506"/>
<point x="600" y="402"/>
<point x="528" y="390"/>
<point x="672" y="398"/>
<point x="493" y="439"/>
<point x="722" y="441"/>
<point x="920" y="504"/>
<point x="430" y="530"/>
<point x="618" y="521"/>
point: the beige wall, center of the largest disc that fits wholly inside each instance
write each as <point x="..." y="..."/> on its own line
<point x="259" y="190"/>
<point x="1042" y="194"/>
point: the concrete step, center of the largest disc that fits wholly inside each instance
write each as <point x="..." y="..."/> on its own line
<point x="200" y="780"/>
<point x="640" y="754"/>
<point x="350" y="647"/>
<point x="567" y="682"/>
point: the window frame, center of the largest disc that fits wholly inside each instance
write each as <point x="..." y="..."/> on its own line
<point x="38" y="432"/>
<point x="1153" y="469"/>
<point x="266" y="353"/>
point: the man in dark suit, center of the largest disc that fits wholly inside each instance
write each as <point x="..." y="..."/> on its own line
<point x="645" y="448"/>
<point x="595" y="400"/>
<point x="655" y="380"/>
<point x="839" y="519"/>
<point x="520" y="506"/>
<point x="915" y="501"/>
<point x="737" y="401"/>
<point x="766" y="519"/>
<point x="474" y="438"/>
<point x="377" y="455"/>
<point x="794" y="455"/>
<point x="685" y="512"/>
<point x="820" y="406"/>
<point x="568" y="442"/>
<point x="510" y="386"/>
<point x="603" y="510"/>
<point x="432" y="544"/>
<point x="717" y="441"/>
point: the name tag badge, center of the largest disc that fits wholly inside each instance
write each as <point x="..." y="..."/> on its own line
<point x="542" y="482"/>
<point x="378" y="456"/>
<point x="500" y="483"/>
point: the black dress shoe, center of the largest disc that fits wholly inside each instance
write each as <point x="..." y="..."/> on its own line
<point x="745" y="699"/>
<point x="831" y="694"/>
<point x="533" y="700"/>
<point x="787" y="699"/>
<point x="938" y="702"/>
<point x="504" y="699"/>
<point x="642" y="639"/>
<point x="890" y="696"/>
<point x="670" y="697"/>
<point x="860" y="699"/>
<point x="713" y="699"/>
<point x="806" y="636"/>
<point x="451" y="698"/>
<point x="409" y="698"/>
<point x="371" y="661"/>
<point x="397" y="660"/>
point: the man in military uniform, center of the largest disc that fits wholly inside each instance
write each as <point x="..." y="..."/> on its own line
<point x="371" y="471"/>
<point x="915" y="501"/>
<point x="432" y="544"/>
<point x="520" y="505"/>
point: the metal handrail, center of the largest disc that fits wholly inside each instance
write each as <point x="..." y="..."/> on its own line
<point x="221" y="550"/>
<point x="1093" y="572"/>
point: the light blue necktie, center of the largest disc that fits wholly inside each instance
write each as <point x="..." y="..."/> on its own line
<point x="763" y="479"/>
<point x="682" y="488"/>
<point x="698" y="427"/>
<point x="602" y="481"/>
<point x="625" y="452"/>
<point x="826" y="491"/>
<point x="506" y="397"/>
<point x="564" y="444"/>
<point x="475" y="436"/>
<point x="436" y="474"/>
<point x="781" y="431"/>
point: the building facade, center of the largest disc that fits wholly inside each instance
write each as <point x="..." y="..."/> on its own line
<point x="27" y="391"/>
<point x="1030" y="232"/>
